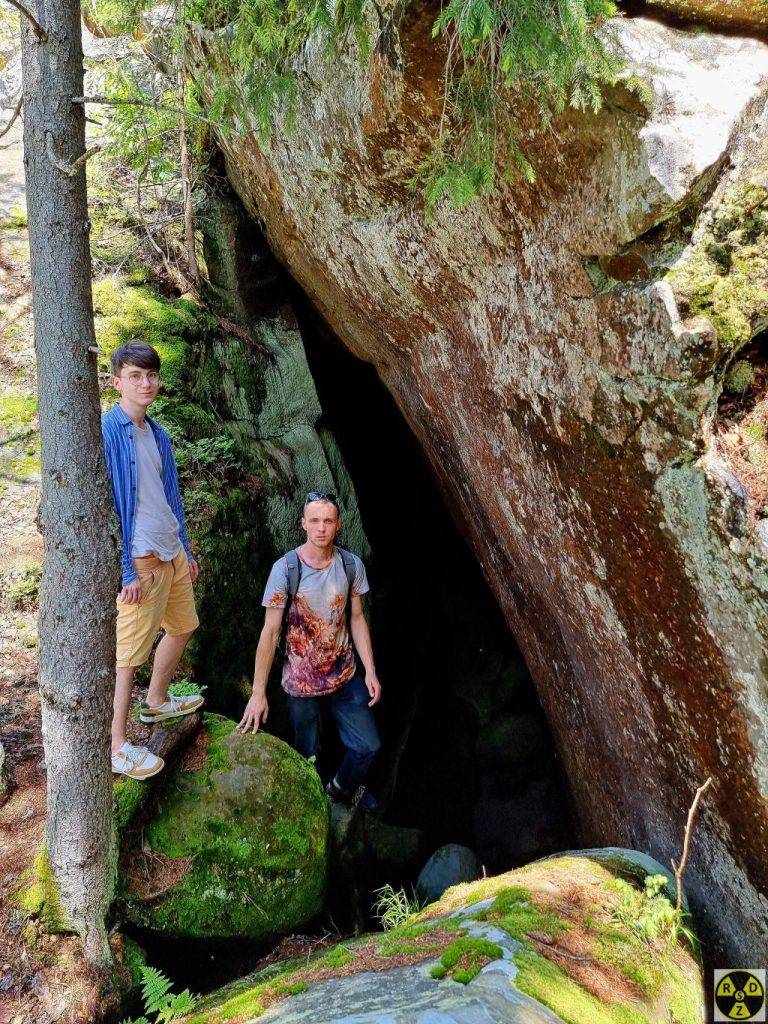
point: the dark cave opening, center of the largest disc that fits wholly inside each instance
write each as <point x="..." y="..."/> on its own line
<point x="467" y="754"/>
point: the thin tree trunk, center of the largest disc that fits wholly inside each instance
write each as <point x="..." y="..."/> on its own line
<point x="186" y="169"/>
<point x="80" y="579"/>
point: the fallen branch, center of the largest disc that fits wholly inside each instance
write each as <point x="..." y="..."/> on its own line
<point x="14" y="115"/>
<point x="165" y="741"/>
<point x="680" y="869"/>
<point x="40" y="32"/>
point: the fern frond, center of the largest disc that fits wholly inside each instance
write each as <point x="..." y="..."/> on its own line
<point x="155" y="988"/>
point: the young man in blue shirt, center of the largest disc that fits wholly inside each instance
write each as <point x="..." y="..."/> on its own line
<point x="158" y="567"/>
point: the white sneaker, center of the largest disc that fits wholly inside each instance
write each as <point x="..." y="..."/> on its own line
<point x="174" y="707"/>
<point x="136" y="762"/>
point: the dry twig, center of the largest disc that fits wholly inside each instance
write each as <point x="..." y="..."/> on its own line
<point x="680" y="869"/>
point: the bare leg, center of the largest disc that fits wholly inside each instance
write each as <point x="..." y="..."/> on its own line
<point x="122" y="705"/>
<point x="167" y="657"/>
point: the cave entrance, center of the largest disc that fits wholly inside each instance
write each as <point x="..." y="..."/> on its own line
<point x="467" y="756"/>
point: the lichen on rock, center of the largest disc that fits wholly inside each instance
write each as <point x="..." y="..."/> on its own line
<point x="235" y="847"/>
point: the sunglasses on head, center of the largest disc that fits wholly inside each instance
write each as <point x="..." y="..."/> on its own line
<point x="319" y="496"/>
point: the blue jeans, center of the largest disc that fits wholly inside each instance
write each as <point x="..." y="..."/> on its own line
<point x="357" y="729"/>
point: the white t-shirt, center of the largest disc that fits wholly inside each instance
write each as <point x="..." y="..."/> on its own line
<point x="156" y="528"/>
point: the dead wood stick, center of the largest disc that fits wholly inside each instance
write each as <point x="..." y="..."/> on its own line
<point x="680" y="869"/>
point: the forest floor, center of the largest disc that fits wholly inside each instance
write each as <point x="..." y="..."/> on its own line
<point x="22" y="815"/>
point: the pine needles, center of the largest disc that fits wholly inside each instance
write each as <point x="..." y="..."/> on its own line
<point x="267" y="38"/>
<point x="546" y="54"/>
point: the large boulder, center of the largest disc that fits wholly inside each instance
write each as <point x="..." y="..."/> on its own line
<point x="448" y="866"/>
<point x="558" y="350"/>
<point x="236" y="844"/>
<point x="559" y="940"/>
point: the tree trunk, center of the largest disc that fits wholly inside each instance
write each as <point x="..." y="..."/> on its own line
<point x="186" y="164"/>
<point x="80" y="580"/>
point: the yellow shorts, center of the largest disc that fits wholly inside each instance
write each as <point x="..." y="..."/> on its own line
<point x="167" y="601"/>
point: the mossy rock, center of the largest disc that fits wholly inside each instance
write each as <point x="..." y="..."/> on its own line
<point x="237" y="844"/>
<point x="509" y="948"/>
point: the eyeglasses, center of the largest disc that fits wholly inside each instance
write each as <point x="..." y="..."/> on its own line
<point x="152" y="377"/>
<point x="319" y="496"/>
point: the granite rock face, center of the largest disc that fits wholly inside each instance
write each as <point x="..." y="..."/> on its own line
<point x="543" y="348"/>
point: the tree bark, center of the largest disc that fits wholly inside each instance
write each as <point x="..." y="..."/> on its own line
<point x="80" y="579"/>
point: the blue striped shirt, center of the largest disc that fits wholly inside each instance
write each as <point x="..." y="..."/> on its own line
<point x="120" y="450"/>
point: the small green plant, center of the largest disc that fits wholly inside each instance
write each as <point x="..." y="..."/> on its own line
<point x="185" y="688"/>
<point x="393" y="906"/>
<point x="23" y="587"/>
<point x="17" y="218"/>
<point x="160" y="1001"/>
<point x="649" y="913"/>
<point x="740" y="377"/>
<point x="217" y="455"/>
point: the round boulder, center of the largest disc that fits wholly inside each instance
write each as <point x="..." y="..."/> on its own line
<point x="448" y="866"/>
<point x="236" y="844"/>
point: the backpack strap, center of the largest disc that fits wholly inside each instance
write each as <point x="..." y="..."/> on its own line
<point x="350" y="567"/>
<point x="293" y="567"/>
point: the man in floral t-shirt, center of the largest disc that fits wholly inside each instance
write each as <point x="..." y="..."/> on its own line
<point x="320" y="666"/>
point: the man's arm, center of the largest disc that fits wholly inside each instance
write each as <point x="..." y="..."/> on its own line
<point x="131" y="586"/>
<point x="362" y="639"/>
<point x="257" y="709"/>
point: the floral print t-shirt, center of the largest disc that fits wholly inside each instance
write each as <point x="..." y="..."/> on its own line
<point x="318" y="649"/>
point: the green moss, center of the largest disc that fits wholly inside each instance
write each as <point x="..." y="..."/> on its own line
<point x="514" y="911"/>
<point x="545" y="982"/>
<point x="17" y="218"/>
<point x="17" y="410"/>
<point x="724" y="277"/>
<point x="38" y="894"/>
<point x="740" y="377"/>
<point x="465" y="958"/>
<point x="20" y="587"/>
<point x="24" y="467"/>
<point x="339" y="956"/>
<point x="125" y="313"/>
<point x="128" y="796"/>
<point x="135" y="960"/>
<point x="254" y="823"/>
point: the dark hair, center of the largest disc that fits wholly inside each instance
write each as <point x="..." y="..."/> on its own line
<point x="135" y="353"/>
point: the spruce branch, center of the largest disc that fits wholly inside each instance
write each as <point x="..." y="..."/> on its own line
<point x="40" y="32"/>
<point x="139" y="101"/>
<point x="680" y="869"/>
<point x="61" y="165"/>
<point x="14" y="115"/>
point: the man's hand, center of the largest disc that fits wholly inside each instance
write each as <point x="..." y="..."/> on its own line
<point x="131" y="593"/>
<point x="194" y="569"/>
<point x="256" y="712"/>
<point x="374" y="688"/>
